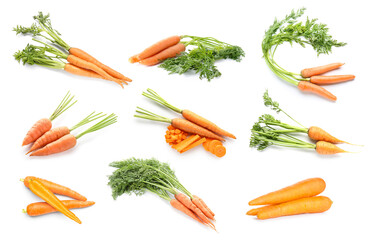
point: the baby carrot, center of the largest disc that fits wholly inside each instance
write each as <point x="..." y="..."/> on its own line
<point x="320" y="80"/>
<point x="41" y="208"/>
<point x="307" y="86"/>
<point x="308" y="72"/>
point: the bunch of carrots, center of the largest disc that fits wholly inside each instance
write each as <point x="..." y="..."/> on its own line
<point x="46" y="190"/>
<point x="192" y="123"/>
<point x="47" y="140"/>
<point x="139" y="176"/>
<point x="56" y="53"/>
<point x="298" y="198"/>
<point x="270" y="131"/>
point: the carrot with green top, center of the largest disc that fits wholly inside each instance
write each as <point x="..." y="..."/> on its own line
<point x="169" y="52"/>
<point x="41" y="208"/>
<point x="45" y="124"/>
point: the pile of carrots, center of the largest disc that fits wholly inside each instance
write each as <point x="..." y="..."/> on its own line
<point x="47" y="140"/>
<point x="295" y="199"/>
<point x="46" y="190"/>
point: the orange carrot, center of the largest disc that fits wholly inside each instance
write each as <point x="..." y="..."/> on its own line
<point x="204" y="204"/>
<point x="185" y="143"/>
<point x="156" y="48"/>
<point x="190" y="127"/>
<point x="308" y="72"/>
<point x="331" y="79"/>
<point x="307" y="86"/>
<point x="306" y="188"/>
<point x="305" y="205"/>
<point x="199" y="205"/>
<point x="318" y="134"/>
<point x="179" y="206"/>
<point x="60" y="145"/>
<point x="167" y="53"/>
<point x="206" y="144"/>
<point x="56" y="188"/>
<point x="50" y="136"/>
<point x="219" y="151"/>
<point x="195" y="144"/>
<point x="326" y="148"/>
<point x="255" y="211"/>
<point x="213" y="144"/>
<point x="40" y="208"/>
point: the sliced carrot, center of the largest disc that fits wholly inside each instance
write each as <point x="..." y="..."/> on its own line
<point x="219" y="151"/>
<point x="195" y="144"/>
<point x="186" y="142"/>
<point x="206" y="144"/>
<point x="212" y="145"/>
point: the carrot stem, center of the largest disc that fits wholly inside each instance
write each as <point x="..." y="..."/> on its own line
<point x="88" y="119"/>
<point x="63" y="106"/>
<point x="157" y="98"/>
<point x="151" y="116"/>
<point x="112" y="118"/>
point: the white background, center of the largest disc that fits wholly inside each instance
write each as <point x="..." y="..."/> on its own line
<point x="113" y="31"/>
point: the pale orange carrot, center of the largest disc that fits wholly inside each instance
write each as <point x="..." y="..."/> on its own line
<point x="40" y="208"/>
<point x="167" y="53"/>
<point x="306" y="188"/>
<point x="307" y="86"/>
<point x="318" y="134"/>
<point x="195" y="144"/>
<point x="179" y="206"/>
<point x="308" y="72"/>
<point x="320" y="80"/>
<point x="326" y="148"/>
<point x="254" y="211"/>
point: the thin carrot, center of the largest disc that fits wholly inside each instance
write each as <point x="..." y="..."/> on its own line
<point x="308" y="72"/>
<point x="204" y="204"/>
<point x="199" y="205"/>
<point x="305" y="205"/>
<point x="306" y="188"/>
<point x="219" y="151"/>
<point x="320" y="80"/>
<point x="254" y="211"/>
<point x="167" y="53"/>
<point x="179" y="206"/>
<point x="44" y="193"/>
<point x="318" y="134"/>
<point x="185" y="143"/>
<point x="156" y="48"/>
<point x="41" y="208"/>
<point x="195" y="144"/>
<point x="307" y="86"/>
<point x="326" y="148"/>
<point x="55" y="188"/>
<point x="45" y="124"/>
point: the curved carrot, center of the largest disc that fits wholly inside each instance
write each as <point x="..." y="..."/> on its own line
<point x="307" y="86"/>
<point x="191" y="127"/>
<point x="60" y="145"/>
<point x="55" y="188"/>
<point x="326" y="148"/>
<point x="331" y="79"/>
<point x="318" y="134"/>
<point x="204" y="204"/>
<point x="156" y="48"/>
<point x="70" y="68"/>
<point x="50" y="136"/>
<point x="38" y="129"/>
<point x="305" y="205"/>
<point x="306" y="188"/>
<point x="44" y="193"/>
<point x="167" y="53"/>
<point x="199" y="205"/>
<point x="308" y="72"/>
<point x="179" y="206"/>
<point x="40" y="208"/>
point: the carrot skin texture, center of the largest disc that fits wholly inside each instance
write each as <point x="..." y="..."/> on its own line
<point x="307" y="86"/>
<point x="56" y="188"/>
<point x="326" y="148"/>
<point x="306" y="188"/>
<point x="308" y="72"/>
<point x="167" y="53"/>
<point x="204" y="204"/>
<point x="41" y="208"/>
<point x="179" y="206"/>
<point x="64" y="143"/>
<point x="321" y="80"/>
<point x="305" y="205"/>
<point x="48" y="137"/>
<point x="193" y="128"/>
<point x="157" y="47"/>
<point x="38" y="129"/>
<point x="318" y="134"/>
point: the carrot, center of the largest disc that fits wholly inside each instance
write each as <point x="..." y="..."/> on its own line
<point x="318" y="134"/>
<point x="167" y="53"/>
<point x="199" y="205"/>
<point x="331" y="79"/>
<point x="213" y="144"/>
<point x="40" y="208"/>
<point x="305" y="205"/>
<point x="45" y="124"/>
<point x="44" y="193"/>
<point x="156" y="48"/>
<point x="195" y="144"/>
<point x="306" y="188"/>
<point x="179" y="206"/>
<point x="308" y="72"/>
<point x="204" y="204"/>
<point x="87" y="57"/>
<point x="55" y="188"/>
<point x="255" y="211"/>
<point x="307" y="86"/>
<point x="191" y="127"/>
<point x="219" y="151"/>
<point x="326" y="148"/>
<point x="206" y="143"/>
<point x="185" y="143"/>
<point x="70" y="68"/>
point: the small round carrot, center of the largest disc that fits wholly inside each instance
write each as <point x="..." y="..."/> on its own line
<point x="41" y="208"/>
<point x="320" y="80"/>
<point x="206" y="144"/>
<point x="318" y="134"/>
<point x="156" y="48"/>
<point x="199" y="205"/>
<point x="326" y="148"/>
<point x="307" y="86"/>
<point x="306" y="188"/>
<point x="167" y="53"/>
<point x="219" y="151"/>
<point x="213" y="144"/>
<point x="308" y="72"/>
<point x="56" y="188"/>
<point x="305" y="205"/>
<point x="190" y="127"/>
<point x="179" y="206"/>
<point x="204" y="204"/>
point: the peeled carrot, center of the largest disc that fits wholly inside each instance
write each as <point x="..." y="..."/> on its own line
<point x="331" y="79"/>
<point x="199" y="205"/>
<point x="56" y="188"/>
<point x="167" y="53"/>
<point x="308" y="72"/>
<point x="179" y="206"/>
<point x="185" y="143"/>
<point x="307" y="86"/>
<point x="306" y="188"/>
<point x="318" y="134"/>
<point x="204" y="204"/>
<point x="305" y="205"/>
<point x="219" y="151"/>
<point x="326" y="148"/>
<point x="212" y="145"/>
<point x="192" y="145"/>
<point x="190" y="127"/>
<point x="40" y="208"/>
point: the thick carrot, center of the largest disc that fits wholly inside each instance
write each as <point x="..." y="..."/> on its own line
<point x="307" y="86"/>
<point x="193" y="128"/>
<point x="38" y="129"/>
<point x="305" y="205"/>
<point x="318" y="134"/>
<point x="219" y="151"/>
<point x="60" y="145"/>
<point x="179" y="206"/>
<point x="156" y="48"/>
<point x="308" y="72"/>
<point x="326" y="148"/>
<point x="85" y="56"/>
<point x="44" y="193"/>
<point x="306" y="188"/>
<point x="167" y="53"/>
<point x="331" y="79"/>
<point x="254" y="211"/>
<point x="195" y="144"/>
<point x="48" y="137"/>
<point x="56" y="188"/>
<point x="198" y="204"/>
<point x="204" y="204"/>
<point x="40" y="208"/>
